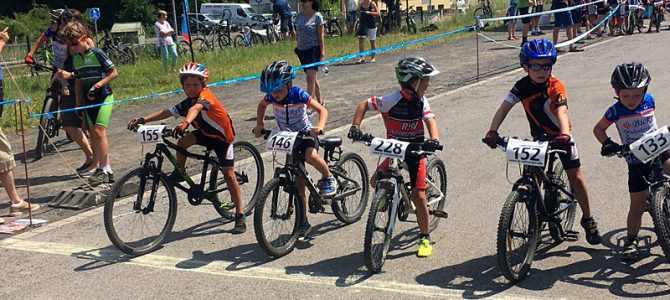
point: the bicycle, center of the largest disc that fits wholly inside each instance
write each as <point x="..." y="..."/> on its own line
<point x="117" y="52"/>
<point x="392" y="197"/>
<point x="332" y="25"/>
<point x="634" y="19"/>
<point x="657" y="16"/>
<point x="484" y="11"/>
<point x="248" y="37"/>
<point x="143" y="197"/>
<point x="526" y="210"/>
<point x="279" y="208"/>
<point x="648" y="148"/>
<point x="410" y="25"/>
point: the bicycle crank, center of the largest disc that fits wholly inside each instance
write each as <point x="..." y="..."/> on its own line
<point x="439" y="213"/>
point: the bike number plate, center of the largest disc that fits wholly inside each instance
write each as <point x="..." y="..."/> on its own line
<point x="651" y="144"/>
<point x="150" y="134"/>
<point x="526" y="152"/>
<point x="388" y="148"/>
<point x="281" y="141"/>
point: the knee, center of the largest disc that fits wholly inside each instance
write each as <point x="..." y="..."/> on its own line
<point x="98" y="131"/>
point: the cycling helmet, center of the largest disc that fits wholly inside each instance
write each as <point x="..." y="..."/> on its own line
<point x="537" y="49"/>
<point x="56" y="15"/>
<point x="414" y="67"/>
<point x="194" y="68"/>
<point x="630" y="76"/>
<point x="276" y="75"/>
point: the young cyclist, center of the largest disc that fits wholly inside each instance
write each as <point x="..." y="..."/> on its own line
<point x="59" y="49"/>
<point x="545" y="102"/>
<point x="404" y="113"/>
<point x="214" y="130"/>
<point x="633" y="114"/>
<point x="289" y="107"/>
<point x="94" y="72"/>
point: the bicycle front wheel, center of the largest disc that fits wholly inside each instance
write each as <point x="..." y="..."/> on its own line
<point x="557" y="200"/>
<point x="351" y="173"/>
<point x="436" y="174"/>
<point x="140" y="211"/>
<point x="517" y="235"/>
<point x="47" y="127"/>
<point x="277" y="218"/>
<point x="249" y="172"/>
<point x="660" y="214"/>
<point x="377" y="234"/>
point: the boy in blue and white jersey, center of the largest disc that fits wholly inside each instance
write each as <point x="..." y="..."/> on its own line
<point x="633" y="114"/>
<point x="289" y="107"/>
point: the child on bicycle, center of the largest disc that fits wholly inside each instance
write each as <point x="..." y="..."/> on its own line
<point x="544" y="100"/>
<point x="633" y="114"/>
<point x="289" y="107"/>
<point x="214" y="130"/>
<point x="404" y="112"/>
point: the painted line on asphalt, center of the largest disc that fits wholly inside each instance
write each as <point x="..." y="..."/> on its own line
<point x="221" y="268"/>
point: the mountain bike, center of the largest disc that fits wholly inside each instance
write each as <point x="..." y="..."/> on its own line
<point x="484" y="11"/>
<point x="648" y="149"/>
<point x="657" y="15"/>
<point x="526" y="210"/>
<point x="392" y="197"/>
<point x="332" y="26"/>
<point x="248" y="37"/>
<point x="141" y="207"/>
<point x="118" y="52"/>
<point x="634" y="20"/>
<point x="279" y="208"/>
<point x="410" y="25"/>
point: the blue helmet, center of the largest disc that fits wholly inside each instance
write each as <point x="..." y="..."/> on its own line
<point x="537" y="49"/>
<point x="276" y="75"/>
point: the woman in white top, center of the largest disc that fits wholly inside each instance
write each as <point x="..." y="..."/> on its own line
<point x="164" y="41"/>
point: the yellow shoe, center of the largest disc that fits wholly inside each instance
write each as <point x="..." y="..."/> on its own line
<point x="425" y="247"/>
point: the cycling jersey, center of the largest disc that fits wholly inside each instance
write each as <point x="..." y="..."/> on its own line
<point x="213" y="120"/>
<point x="91" y="67"/>
<point x="403" y="115"/>
<point x="291" y="113"/>
<point x="58" y="47"/>
<point x="633" y="124"/>
<point x="540" y="102"/>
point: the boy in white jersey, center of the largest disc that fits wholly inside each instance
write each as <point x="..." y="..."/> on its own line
<point x="633" y="114"/>
<point x="289" y="107"/>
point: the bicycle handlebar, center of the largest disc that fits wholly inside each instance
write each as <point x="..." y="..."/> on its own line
<point x="368" y="137"/>
<point x="266" y="133"/>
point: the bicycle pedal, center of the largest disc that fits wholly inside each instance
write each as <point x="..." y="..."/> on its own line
<point x="439" y="213"/>
<point x="571" y="236"/>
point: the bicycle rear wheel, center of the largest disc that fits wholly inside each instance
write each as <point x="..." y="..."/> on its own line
<point x="249" y="171"/>
<point x="436" y="174"/>
<point x="517" y="235"/>
<point x="350" y="209"/>
<point x="277" y="218"/>
<point x="556" y="200"/>
<point x="47" y="127"/>
<point x="335" y="28"/>
<point x="660" y="214"/>
<point x="377" y="237"/>
<point x="140" y="211"/>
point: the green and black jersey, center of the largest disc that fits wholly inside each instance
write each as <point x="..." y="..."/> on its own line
<point x="90" y="67"/>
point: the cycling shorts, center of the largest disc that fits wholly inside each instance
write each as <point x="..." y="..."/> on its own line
<point x="638" y="172"/>
<point x="69" y="118"/>
<point x="224" y="151"/>
<point x="524" y="11"/>
<point x="416" y="166"/>
<point x="99" y="115"/>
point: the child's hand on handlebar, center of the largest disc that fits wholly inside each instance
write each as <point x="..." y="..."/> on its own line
<point x="135" y="123"/>
<point x="315" y="131"/>
<point x="257" y="131"/>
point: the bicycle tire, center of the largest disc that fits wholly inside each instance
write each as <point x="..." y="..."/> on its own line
<point x="629" y="25"/>
<point x="257" y="39"/>
<point x="488" y="13"/>
<point x="439" y="178"/>
<point x="284" y="243"/>
<point x="183" y="48"/>
<point x="47" y="125"/>
<point x="638" y="24"/>
<point x="412" y="26"/>
<point x="199" y="44"/>
<point x="660" y="215"/>
<point x="556" y="199"/>
<point x="335" y="28"/>
<point x="512" y="270"/>
<point x="375" y="254"/>
<point x="239" y="42"/>
<point x="342" y="211"/>
<point x="250" y="185"/>
<point x="115" y="203"/>
<point x="224" y="41"/>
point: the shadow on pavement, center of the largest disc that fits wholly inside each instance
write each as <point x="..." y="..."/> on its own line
<point x="349" y="269"/>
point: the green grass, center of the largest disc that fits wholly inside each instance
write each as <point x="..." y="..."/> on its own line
<point x="147" y="75"/>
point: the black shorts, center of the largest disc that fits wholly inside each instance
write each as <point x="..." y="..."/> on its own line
<point x="309" y="56"/>
<point x="638" y="172"/>
<point x="537" y="9"/>
<point x="524" y="11"/>
<point x="70" y="118"/>
<point x="286" y="24"/>
<point x="223" y="150"/>
<point x="600" y="7"/>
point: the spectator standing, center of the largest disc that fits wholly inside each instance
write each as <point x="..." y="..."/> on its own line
<point x="563" y="20"/>
<point x="164" y="41"/>
<point x="351" y="8"/>
<point x="18" y="205"/>
<point x="524" y="7"/>
<point x="511" y="24"/>
<point x="367" y="27"/>
<point x="535" y="22"/>
<point x="310" y="46"/>
<point x="281" y="10"/>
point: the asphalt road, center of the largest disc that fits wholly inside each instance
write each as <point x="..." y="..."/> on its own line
<point x="72" y="258"/>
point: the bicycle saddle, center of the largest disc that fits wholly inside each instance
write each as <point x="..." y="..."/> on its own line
<point x="330" y="141"/>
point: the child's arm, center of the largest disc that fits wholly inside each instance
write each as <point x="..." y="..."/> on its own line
<point x="600" y="130"/>
<point x="39" y="41"/>
<point x="500" y="115"/>
<point x="323" y="117"/>
<point x="154" y="116"/>
<point x="433" y="132"/>
<point x="361" y="109"/>
<point x="563" y="120"/>
<point x="260" y="115"/>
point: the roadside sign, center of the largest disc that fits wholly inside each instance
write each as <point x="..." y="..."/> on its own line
<point x="94" y="13"/>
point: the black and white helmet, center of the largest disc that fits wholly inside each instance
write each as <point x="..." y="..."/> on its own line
<point x="56" y="15"/>
<point x="630" y="75"/>
<point x="414" y="67"/>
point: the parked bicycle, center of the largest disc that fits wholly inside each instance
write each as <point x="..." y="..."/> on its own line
<point x="410" y="24"/>
<point x="141" y="207"/>
<point x="279" y="208"/>
<point x="332" y="24"/>
<point x="118" y="52"/>
<point x="392" y="197"/>
<point x="248" y="37"/>
<point x="526" y="210"/>
<point x="634" y="19"/>
<point x="484" y="11"/>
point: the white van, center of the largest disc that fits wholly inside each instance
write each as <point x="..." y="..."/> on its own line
<point x="238" y="13"/>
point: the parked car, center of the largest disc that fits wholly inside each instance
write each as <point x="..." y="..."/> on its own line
<point x="197" y="22"/>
